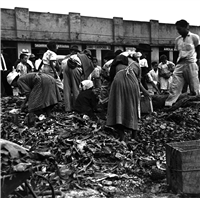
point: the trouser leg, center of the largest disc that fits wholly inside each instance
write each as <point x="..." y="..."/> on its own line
<point x="176" y="86"/>
<point x="191" y="76"/>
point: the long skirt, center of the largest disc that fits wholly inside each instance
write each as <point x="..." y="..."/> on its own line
<point x="72" y="79"/>
<point x="124" y="97"/>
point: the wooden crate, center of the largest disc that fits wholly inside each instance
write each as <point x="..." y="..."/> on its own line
<point x="183" y="167"/>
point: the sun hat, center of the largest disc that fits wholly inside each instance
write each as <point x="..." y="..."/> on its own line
<point x="11" y="76"/>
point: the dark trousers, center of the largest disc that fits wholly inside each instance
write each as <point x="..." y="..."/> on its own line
<point x="6" y="89"/>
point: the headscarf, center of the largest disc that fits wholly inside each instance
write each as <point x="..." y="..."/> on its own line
<point x="86" y="84"/>
<point x="11" y="76"/>
<point x="76" y="59"/>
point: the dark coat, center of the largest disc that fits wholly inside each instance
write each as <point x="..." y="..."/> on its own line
<point x="86" y="102"/>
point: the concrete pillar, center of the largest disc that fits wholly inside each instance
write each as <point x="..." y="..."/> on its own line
<point x="154" y="32"/>
<point x="171" y="56"/>
<point x="154" y="54"/>
<point x="118" y="30"/>
<point x="22" y="23"/>
<point x="74" y="26"/>
<point x="98" y="55"/>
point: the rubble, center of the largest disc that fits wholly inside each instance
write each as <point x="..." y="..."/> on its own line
<point x="88" y="158"/>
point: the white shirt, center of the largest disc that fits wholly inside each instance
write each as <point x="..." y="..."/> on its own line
<point x="48" y="56"/>
<point x="4" y="63"/>
<point x="153" y="76"/>
<point x="37" y="63"/>
<point x="186" y="46"/>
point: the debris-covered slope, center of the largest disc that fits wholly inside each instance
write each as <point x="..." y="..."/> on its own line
<point x="87" y="154"/>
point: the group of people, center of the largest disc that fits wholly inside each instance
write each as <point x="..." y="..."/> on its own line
<point x="44" y="86"/>
<point x="125" y="74"/>
<point x="159" y="77"/>
<point x="126" y="88"/>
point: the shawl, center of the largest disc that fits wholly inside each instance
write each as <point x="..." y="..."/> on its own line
<point x="87" y="65"/>
<point x="120" y="59"/>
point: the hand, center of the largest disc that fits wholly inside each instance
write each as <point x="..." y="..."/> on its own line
<point x="146" y="94"/>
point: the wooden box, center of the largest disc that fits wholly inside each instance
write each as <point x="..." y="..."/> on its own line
<point x="183" y="167"/>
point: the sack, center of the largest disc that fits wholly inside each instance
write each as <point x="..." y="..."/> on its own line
<point x="146" y="105"/>
<point x="72" y="64"/>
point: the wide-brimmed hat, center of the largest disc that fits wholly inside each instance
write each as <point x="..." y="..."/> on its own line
<point x="11" y="76"/>
<point x="25" y="51"/>
<point x="74" y="48"/>
<point x="1" y="46"/>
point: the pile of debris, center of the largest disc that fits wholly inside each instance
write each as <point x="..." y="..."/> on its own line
<point x="84" y="154"/>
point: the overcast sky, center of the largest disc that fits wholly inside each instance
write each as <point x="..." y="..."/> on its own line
<point x="165" y="11"/>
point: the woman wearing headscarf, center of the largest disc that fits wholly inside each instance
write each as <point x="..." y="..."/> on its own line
<point x="77" y="68"/>
<point x="50" y="64"/>
<point x="86" y="101"/>
<point x="124" y="98"/>
<point x="40" y="90"/>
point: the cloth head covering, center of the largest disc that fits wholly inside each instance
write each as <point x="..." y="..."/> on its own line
<point x="73" y="61"/>
<point x="130" y="53"/>
<point x="76" y="59"/>
<point x="11" y="76"/>
<point x="86" y="84"/>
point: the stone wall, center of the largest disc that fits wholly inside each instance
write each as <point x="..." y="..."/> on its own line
<point x="20" y="24"/>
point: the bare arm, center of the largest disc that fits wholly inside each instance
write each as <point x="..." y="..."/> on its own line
<point x="144" y="91"/>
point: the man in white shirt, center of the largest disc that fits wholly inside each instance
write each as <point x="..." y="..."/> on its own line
<point x="153" y="79"/>
<point x="186" y="70"/>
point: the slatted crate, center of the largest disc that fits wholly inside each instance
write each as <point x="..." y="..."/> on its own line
<point x="183" y="167"/>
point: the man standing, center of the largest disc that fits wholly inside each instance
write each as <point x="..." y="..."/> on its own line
<point x="5" y="68"/>
<point x="165" y="71"/>
<point x="186" y="70"/>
